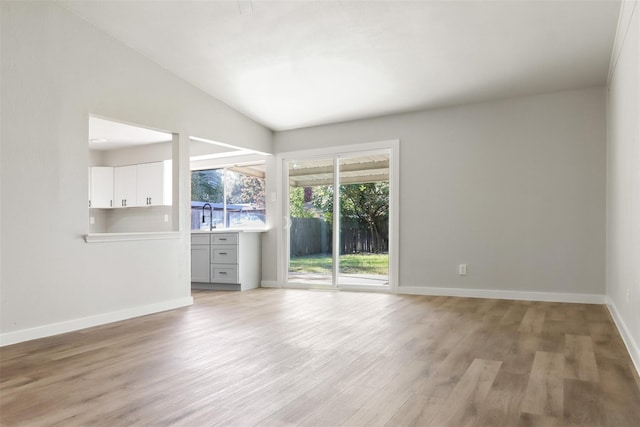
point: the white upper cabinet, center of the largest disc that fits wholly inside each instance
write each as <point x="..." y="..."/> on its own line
<point x="125" y="186"/>
<point x="146" y="184"/>
<point x="154" y="184"/>
<point x="101" y="187"/>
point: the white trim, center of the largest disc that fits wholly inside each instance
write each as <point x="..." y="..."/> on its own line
<point x="329" y="287"/>
<point x="339" y="149"/>
<point x="366" y="288"/>
<point x="270" y="284"/>
<point x="311" y="286"/>
<point x="282" y="246"/>
<point x="500" y="294"/>
<point x="625" y="20"/>
<point x="627" y="338"/>
<point x="126" y="237"/>
<point x="15" y="337"/>
<point x="220" y="162"/>
<point x="337" y="221"/>
<point x="394" y="215"/>
<point x="225" y="145"/>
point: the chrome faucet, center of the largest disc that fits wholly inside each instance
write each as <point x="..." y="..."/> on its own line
<point x="210" y="215"/>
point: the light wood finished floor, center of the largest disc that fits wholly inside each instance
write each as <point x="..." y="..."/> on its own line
<point x="276" y="357"/>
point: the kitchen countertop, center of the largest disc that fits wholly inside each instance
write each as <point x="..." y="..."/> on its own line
<point x="230" y="230"/>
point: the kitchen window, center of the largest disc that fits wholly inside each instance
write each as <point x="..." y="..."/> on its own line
<point x="230" y="197"/>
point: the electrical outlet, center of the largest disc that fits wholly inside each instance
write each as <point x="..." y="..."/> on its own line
<point x="166" y="217"/>
<point x="462" y="269"/>
<point x="274" y="196"/>
<point x="92" y="220"/>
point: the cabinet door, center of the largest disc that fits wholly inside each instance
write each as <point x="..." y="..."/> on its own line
<point x="124" y="186"/>
<point x="101" y="187"/>
<point x="200" y="266"/>
<point x="154" y="184"/>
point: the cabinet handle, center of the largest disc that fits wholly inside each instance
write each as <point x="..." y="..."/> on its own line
<point x="222" y="272"/>
<point x="89" y="203"/>
<point x="222" y="253"/>
<point x="222" y="238"/>
<point x="110" y="203"/>
<point x="149" y="200"/>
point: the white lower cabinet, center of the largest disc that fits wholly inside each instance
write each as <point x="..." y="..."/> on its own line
<point x="233" y="261"/>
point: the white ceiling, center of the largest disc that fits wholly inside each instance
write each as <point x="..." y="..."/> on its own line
<point x="291" y="64"/>
<point x="109" y="135"/>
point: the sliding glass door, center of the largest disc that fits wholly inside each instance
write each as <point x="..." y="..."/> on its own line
<point x="364" y="220"/>
<point x="311" y="221"/>
<point x="338" y="220"/>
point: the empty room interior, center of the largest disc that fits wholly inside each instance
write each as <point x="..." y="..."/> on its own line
<point x="328" y="213"/>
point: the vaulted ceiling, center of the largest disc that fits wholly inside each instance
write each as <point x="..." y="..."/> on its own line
<point x="291" y="64"/>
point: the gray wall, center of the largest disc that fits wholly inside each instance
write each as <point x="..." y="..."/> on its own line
<point x="56" y="70"/>
<point x="515" y="189"/>
<point x="623" y="180"/>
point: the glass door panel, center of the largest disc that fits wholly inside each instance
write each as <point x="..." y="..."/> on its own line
<point x="311" y="222"/>
<point x="364" y="220"/>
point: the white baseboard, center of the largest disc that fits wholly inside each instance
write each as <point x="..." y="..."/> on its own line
<point x="499" y="294"/>
<point x="632" y="345"/>
<point x="87" y="322"/>
<point x="270" y="284"/>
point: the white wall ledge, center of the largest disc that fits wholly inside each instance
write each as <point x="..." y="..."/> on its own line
<point x="504" y="294"/>
<point x="124" y="237"/>
<point x="625" y="333"/>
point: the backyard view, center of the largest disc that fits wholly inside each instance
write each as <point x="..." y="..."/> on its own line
<point x="349" y="264"/>
<point x="362" y="223"/>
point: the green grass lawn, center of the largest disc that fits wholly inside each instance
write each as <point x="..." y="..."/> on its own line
<point x="349" y="264"/>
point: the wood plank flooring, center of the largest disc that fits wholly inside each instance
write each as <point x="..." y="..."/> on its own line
<point x="273" y="357"/>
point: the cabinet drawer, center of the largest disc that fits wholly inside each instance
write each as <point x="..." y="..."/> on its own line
<point x="221" y="254"/>
<point x="224" y="274"/>
<point x="224" y="239"/>
<point x="199" y="239"/>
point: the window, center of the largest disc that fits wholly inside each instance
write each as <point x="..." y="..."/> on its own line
<point x="231" y="197"/>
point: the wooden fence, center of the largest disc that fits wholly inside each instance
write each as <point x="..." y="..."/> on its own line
<point x="309" y="236"/>
<point x="313" y="236"/>
<point x="356" y="237"/>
